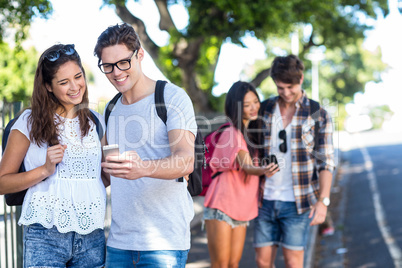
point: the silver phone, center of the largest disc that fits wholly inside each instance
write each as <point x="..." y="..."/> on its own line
<point x="111" y="149"/>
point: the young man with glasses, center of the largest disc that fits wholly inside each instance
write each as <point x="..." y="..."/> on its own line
<point x="151" y="209"/>
<point x="294" y="198"/>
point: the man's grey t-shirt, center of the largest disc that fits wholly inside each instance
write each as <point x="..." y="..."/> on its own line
<point x="149" y="213"/>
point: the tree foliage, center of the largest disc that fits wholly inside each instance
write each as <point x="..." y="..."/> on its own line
<point x="17" y="71"/>
<point x="343" y="71"/>
<point x="379" y="114"/>
<point x="191" y="56"/>
<point x="19" y="14"/>
<point x="346" y="71"/>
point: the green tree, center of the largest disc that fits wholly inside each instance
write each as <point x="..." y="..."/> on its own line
<point x="343" y="72"/>
<point x="18" y="15"/>
<point x="17" y="71"/>
<point x="379" y="114"/>
<point x="191" y="56"/>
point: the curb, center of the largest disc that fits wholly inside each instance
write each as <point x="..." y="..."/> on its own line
<point x="313" y="233"/>
<point x="310" y="247"/>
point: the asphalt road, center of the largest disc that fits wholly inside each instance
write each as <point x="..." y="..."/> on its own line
<point x="367" y="215"/>
<point x="373" y="221"/>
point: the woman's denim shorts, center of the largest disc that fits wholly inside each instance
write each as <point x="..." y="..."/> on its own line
<point x="216" y="214"/>
<point x="49" y="248"/>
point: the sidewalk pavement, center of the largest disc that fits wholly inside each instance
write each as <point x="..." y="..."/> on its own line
<point x="198" y="210"/>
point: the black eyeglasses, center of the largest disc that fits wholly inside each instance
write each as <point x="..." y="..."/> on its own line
<point x="122" y="65"/>
<point x="283" y="146"/>
<point x="55" y="55"/>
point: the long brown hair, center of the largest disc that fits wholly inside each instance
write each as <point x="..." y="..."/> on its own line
<point x="44" y="104"/>
<point x="234" y="104"/>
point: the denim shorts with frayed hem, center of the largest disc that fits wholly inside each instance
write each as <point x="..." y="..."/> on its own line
<point x="51" y="249"/>
<point x="279" y="224"/>
<point x="120" y="258"/>
<point x="216" y="214"/>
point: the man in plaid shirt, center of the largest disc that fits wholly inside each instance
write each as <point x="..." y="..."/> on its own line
<point x="294" y="198"/>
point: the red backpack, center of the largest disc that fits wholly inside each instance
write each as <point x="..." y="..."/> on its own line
<point x="210" y="142"/>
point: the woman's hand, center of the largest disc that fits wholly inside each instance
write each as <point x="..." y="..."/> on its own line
<point x="271" y="169"/>
<point x="54" y="156"/>
<point x="187" y="178"/>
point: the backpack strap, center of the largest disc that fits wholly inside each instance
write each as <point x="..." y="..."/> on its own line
<point x="315" y="114"/>
<point x="268" y="105"/>
<point x="6" y="133"/>
<point x="160" y="100"/>
<point x="110" y="106"/>
<point x="219" y="131"/>
<point x="160" y="105"/>
<point x="98" y="124"/>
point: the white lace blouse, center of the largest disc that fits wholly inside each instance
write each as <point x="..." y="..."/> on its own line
<point x="74" y="197"/>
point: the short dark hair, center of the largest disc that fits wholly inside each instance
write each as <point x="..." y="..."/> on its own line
<point x="117" y="35"/>
<point x="287" y="69"/>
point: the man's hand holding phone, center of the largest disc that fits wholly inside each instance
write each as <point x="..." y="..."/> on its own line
<point x="111" y="150"/>
<point x="127" y="165"/>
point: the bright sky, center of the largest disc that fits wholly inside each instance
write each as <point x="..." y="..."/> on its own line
<point x="388" y="91"/>
<point x="81" y="22"/>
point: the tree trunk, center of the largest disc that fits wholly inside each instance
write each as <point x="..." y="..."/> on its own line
<point x="261" y="76"/>
<point x="185" y="52"/>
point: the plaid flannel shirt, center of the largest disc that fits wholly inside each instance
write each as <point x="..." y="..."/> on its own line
<point x="304" y="159"/>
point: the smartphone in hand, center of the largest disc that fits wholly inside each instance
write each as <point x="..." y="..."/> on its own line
<point x="270" y="159"/>
<point x="111" y="149"/>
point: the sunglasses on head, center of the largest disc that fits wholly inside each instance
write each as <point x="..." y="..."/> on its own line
<point x="283" y="146"/>
<point x="55" y="55"/>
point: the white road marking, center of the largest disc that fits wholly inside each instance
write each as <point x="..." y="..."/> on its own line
<point x="393" y="248"/>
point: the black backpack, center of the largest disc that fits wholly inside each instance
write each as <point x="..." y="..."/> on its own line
<point x="195" y="182"/>
<point x="16" y="199"/>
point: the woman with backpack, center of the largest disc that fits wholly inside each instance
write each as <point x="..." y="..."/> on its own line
<point x="57" y="140"/>
<point x="232" y="198"/>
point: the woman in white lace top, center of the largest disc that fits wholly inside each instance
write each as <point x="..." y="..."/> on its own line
<point x="57" y="138"/>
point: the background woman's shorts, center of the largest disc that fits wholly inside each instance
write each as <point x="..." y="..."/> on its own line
<point x="216" y="214"/>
